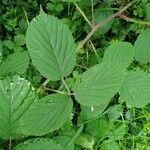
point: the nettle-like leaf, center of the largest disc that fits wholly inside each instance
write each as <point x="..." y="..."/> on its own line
<point x="136" y="89"/>
<point x="142" y="47"/>
<point x="49" y="114"/>
<point x="119" y="52"/>
<point x="51" y="46"/>
<point x="38" y="144"/>
<point x="16" y="96"/>
<point x="15" y="63"/>
<point x="99" y="84"/>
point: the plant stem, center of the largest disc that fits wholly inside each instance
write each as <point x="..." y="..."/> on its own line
<point x="57" y="91"/>
<point x="100" y="24"/>
<point x="95" y="52"/>
<point x="84" y="16"/>
<point x="40" y="89"/>
<point x="27" y="20"/>
<point x="9" y="143"/>
<point x="133" y="20"/>
<point x="66" y="86"/>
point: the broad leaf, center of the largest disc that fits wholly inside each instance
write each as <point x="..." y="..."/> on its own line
<point x="51" y="46"/>
<point x="88" y="113"/>
<point x="99" y="84"/>
<point x="119" y="52"/>
<point x="48" y="115"/>
<point x="38" y="144"/>
<point x="16" y="96"/>
<point x="142" y="47"/>
<point x="136" y="89"/>
<point x="15" y="63"/>
<point x="110" y="146"/>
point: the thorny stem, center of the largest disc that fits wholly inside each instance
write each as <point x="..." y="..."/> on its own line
<point x="100" y="24"/>
<point x="133" y="20"/>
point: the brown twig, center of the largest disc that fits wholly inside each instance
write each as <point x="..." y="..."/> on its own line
<point x="100" y="24"/>
<point x="133" y="20"/>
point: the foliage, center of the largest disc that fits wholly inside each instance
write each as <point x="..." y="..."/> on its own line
<point x="56" y="94"/>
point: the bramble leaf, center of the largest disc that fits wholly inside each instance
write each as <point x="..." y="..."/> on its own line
<point x="48" y="115"/>
<point x="136" y="89"/>
<point x="16" y="96"/>
<point x="38" y="144"/>
<point x="51" y="46"/>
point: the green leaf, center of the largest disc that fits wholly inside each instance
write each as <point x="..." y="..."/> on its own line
<point x="16" y="96"/>
<point x="119" y="52"/>
<point x="136" y="89"/>
<point x="9" y="44"/>
<point x="38" y="144"/>
<point x="20" y="40"/>
<point x="63" y="141"/>
<point x="110" y="146"/>
<point x="99" y="84"/>
<point x="98" y="128"/>
<point x="142" y="47"/>
<point x="101" y="14"/>
<point x="88" y="113"/>
<point x="48" y="115"/>
<point x="15" y="63"/>
<point x="51" y="46"/>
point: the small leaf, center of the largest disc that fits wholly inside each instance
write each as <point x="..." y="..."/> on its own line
<point x="48" y="115"/>
<point x="99" y="84"/>
<point x="51" y="47"/>
<point x="142" y="47"/>
<point x="15" y="63"/>
<point x="71" y="0"/>
<point x="119" y="52"/>
<point x="20" y="40"/>
<point x="101" y="14"/>
<point x="38" y="144"/>
<point x="136" y="89"/>
<point x="16" y="97"/>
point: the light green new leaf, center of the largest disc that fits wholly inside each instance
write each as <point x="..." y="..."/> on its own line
<point x="136" y="89"/>
<point x="99" y="84"/>
<point x="15" y="63"/>
<point x="119" y="52"/>
<point x="16" y="96"/>
<point x="38" y="144"/>
<point x="142" y="47"/>
<point x="48" y="115"/>
<point x="51" y="46"/>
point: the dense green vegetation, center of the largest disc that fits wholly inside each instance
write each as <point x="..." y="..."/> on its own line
<point x="75" y="75"/>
